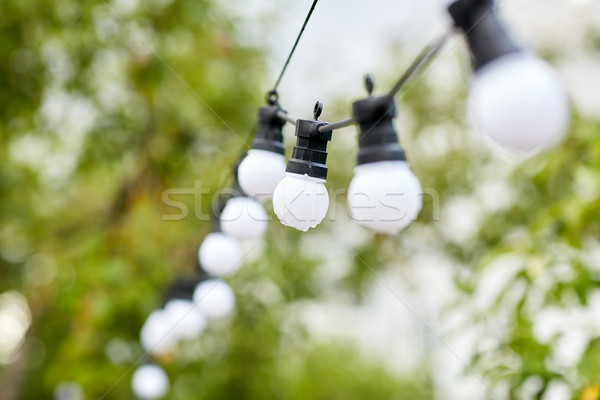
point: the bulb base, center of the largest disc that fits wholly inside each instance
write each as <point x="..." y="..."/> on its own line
<point x="486" y="36"/>
<point x="269" y="134"/>
<point x="310" y="153"/>
<point x="377" y="139"/>
<point x="183" y="287"/>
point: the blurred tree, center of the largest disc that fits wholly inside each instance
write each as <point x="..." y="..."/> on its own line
<point x="104" y="106"/>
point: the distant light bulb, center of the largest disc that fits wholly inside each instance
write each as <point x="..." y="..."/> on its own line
<point x="244" y="218"/>
<point x="150" y="382"/>
<point x="301" y="201"/>
<point x="156" y="335"/>
<point x="220" y="254"/>
<point x="384" y="196"/>
<point x="185" y="318"/>
<point x="260" y="172"/>
<point x="215" y="298"/>
<point x="518" y="102"/>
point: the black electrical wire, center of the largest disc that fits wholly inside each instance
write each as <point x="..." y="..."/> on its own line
<point x="417" y="65"/>
<point x="429" y="52"/>
<point x="426" y="54"/>
<point x="272" y="95"/>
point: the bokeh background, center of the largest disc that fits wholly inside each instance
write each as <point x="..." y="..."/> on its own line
<point x="492" y="293"/>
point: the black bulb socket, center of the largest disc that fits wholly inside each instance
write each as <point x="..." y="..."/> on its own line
<point x="235" y="191"/>
<point x="486" y="35"/>
<point x="183" y="287"/>
<point x="377" y="139"/>
<point x="310" y="153"/>
<point x="269" y="133"/>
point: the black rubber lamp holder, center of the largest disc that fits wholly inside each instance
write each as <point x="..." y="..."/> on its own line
<point x="221" y="201"/>
<point x="184" y="286"/>
<point x="269" y="133"/>
<point x="377" y="139"/>
<point x="486" y="35"/>
<point x="310" y="153"/>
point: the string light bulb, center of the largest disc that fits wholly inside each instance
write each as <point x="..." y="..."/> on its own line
<point x="384" y="196"/>
<point x="150" y="382"/>
<point x="301" y="200"/>
<point x="517" y="101"/>
<point x="156" y="335"/>
<point x="220" y="254"/>
<point x="184" y="318"/>
<point x="215" y="298"/>
<point x="243" y="218"/>
<point x="264" y="165"/>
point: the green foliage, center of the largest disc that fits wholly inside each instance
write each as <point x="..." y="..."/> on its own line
<point x="103" y="108"/>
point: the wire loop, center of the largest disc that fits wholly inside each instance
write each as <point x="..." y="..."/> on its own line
<point x="272" y="98"/>
<point x="318" y="110"/>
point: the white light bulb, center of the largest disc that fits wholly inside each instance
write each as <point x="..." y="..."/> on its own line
<point x="150" y="382"/>
<point x="260" y="172"/>
<point x="301" y="201"/>
<point x="384" y="196"/>
<point x="244" y="218"/>
<point x="185" y="318"/>
<point x="518" y="102"/>
<point x="215" y="298"/>
<point x="156" y="335"/>
<point x="220" y="254"/>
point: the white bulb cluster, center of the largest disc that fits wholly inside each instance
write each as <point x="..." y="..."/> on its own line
<point x="183" y="319"/>
<point x="179" y="320"/>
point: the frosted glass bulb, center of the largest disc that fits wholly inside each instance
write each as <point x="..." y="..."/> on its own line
<point x="150" y="382"/>
<point x="518" y="102"/>
<point x="185" y="318"/>
<point x="244" y="218"/>
<point x="384" y="196"/>
<point x="215" y="298"/>
<point x="301" y="201"/>
<point x="156" y="335"/>
<point x="260" y="172"/>
<point x="220" y="254"/>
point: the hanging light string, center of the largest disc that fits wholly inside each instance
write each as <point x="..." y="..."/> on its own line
<point x="272" y="94"/>
<point x="420" y="62"/>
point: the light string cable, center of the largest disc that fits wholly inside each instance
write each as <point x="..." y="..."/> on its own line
<point x="272" y="96"/>
<point x="420" y="62"/>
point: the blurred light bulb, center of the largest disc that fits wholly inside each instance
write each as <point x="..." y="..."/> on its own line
<point x="301" y="201"/>
<point x="220" y="254"/>
<point x="215" y="298"/>
<point x="150" y="382"/>
<point x="243" y="218"/>
<point x="156" y="335"/>
<point x="518" y="102"/>
<point x="384" y="196"/>
<point x="260" y="172"/>
<point x="184" y="318"/>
